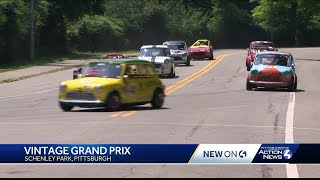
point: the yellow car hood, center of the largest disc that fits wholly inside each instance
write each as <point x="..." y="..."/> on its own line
<point x="87" y="82"/>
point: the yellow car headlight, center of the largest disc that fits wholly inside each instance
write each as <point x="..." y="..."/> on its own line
<point x="62" y="87"/>
<point x="98" y="88"/>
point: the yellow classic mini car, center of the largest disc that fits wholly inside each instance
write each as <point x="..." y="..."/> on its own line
<point x="111" y="83"/>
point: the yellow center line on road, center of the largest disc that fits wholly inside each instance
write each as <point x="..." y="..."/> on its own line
<point x="194" y="74"/>
<point x="130" y="113"/>
<point x="189" y="79"/>
<point x="118" y="113"/>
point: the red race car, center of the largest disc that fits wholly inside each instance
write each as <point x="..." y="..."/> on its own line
<point x="255" y="47"/>
<point x="201" y="49"/>
<point x="113" y="56"/>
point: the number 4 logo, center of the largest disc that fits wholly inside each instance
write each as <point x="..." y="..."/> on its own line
<point x="287" y="154"/>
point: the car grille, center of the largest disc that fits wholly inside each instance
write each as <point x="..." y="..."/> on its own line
<point x="270" y="78"/>
<point x="199" y="52"/>
<point x="81" y="96"/>
<point x="158" y="65"/>
<point x="177" y="58"/>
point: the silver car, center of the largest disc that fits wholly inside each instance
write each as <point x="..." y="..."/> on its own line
<point x="179" y="52"/>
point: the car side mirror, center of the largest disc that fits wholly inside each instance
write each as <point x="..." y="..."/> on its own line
<point x="293" y="65"/>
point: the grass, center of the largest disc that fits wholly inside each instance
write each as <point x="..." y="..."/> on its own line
<point x="34" y="75"/>
<point x="15" y="65"/>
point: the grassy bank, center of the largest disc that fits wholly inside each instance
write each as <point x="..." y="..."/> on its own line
<point x="21" y="64"/>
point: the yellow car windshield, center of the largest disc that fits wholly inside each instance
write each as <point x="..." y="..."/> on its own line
<point x="102" y="70"/>
<point x="201" y="43"/>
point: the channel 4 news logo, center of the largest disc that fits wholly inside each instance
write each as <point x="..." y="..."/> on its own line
<point x="225" y="154"/>
<point x="270" y="153"/>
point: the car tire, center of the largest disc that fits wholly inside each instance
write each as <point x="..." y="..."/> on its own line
<point x="296" y="83"/>
<point x="65" y="107"/>
<point x="293" y="87"/>
<point x="157" y="99"/>
<point x="211" y="57"/>
<point x="249" y="86"/>
<point x="113" y="102"/>
<point x="188" y="62"/>
<point x="172" y="73"/>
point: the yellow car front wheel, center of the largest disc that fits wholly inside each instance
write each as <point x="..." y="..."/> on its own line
<point x="65" y="107"/>
<point x="113" y="102"/>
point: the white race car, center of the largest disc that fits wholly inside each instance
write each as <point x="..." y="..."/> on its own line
<point x="179" y="51"/>
<point x="161" y="57"/>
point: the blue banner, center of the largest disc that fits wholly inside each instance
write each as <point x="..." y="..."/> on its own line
<point x="96" y="153"/>
<point x="161" y="153"/>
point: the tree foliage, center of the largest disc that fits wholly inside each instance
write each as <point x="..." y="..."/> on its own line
<point x="110" y="25"/>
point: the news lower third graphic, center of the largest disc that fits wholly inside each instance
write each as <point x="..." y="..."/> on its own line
<point x="161" y="153"/>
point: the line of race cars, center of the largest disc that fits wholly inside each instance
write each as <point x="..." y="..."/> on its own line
<point x="114" y="81"/>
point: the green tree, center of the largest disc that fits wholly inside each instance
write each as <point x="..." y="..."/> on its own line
<point x="293" y="20"/>
<point x="95" y="33"/>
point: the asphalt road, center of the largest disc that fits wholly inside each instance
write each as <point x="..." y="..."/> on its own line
<point x="212" y="106"/>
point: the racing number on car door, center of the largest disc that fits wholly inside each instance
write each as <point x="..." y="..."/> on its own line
<point x="132" y="84"/>
<point x="133" y="88"/>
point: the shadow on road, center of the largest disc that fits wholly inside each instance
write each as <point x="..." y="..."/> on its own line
<point x="166" y="77"/>
<point x="203" y="59"/>
<point x="298" y="59"/>
<point x="124" y="108"/>
<point x="181" y="65"/>
<point x="276" y="90"/>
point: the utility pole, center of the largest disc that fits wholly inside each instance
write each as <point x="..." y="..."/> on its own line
<point x="32" y="32"/>
<point x="271" y="20"/>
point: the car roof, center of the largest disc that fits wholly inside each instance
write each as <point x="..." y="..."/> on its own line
<point x="154" y="46"/>
<point x="254" y="42"/>
<point x="118" y="61"/>
<point x="274" y="52"/>
<point x="202" y="40"/>
<point x="173" y="42"/>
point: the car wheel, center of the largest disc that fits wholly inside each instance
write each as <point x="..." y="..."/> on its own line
<point x="293" y="87"/>
<point x="211" y="57"/>
<point x="172" y="73"/>
<point x="188" y="62"/>
<point x="248" y="68"/>
<point x="296" y="83"/>
<point x="157" y="99"/>
<point x="249" y="86"/>
<point x="65" y="107"/>
<point x="113" y="102"/>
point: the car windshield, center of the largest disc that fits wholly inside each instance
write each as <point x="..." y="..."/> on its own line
<point x="102" y="70"/>
<point x="261" y="45"/>
<point x="148" y="52"/>
<point x="201" y="43"/>
<point x="273" y="59"/>
<point x="176" y="46"/>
